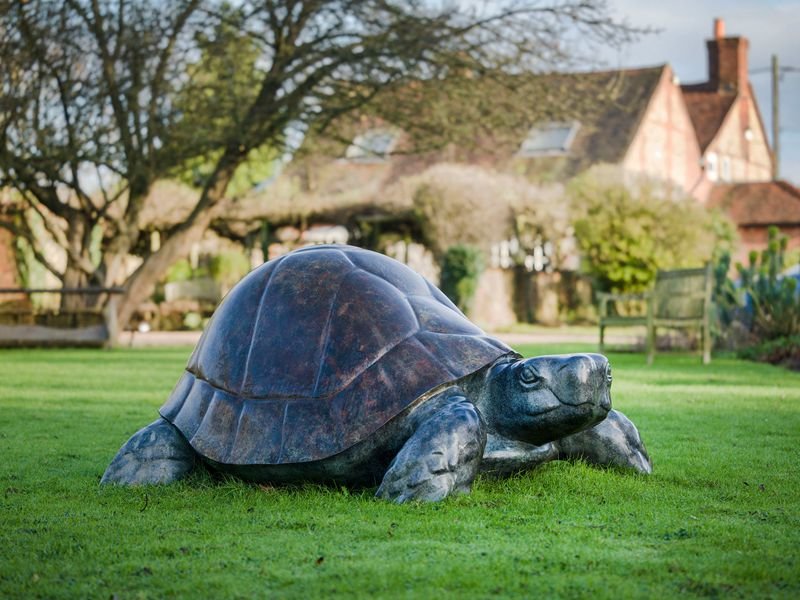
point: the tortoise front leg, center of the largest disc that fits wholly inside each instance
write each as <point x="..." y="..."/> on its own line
<point x="613" y="442"/>
<point x="441" y="457"/>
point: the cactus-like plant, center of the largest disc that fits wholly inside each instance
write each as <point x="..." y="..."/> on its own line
<point x="774" y="299"/>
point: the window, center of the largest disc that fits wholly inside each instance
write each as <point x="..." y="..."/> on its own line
<point x="372" y="146"/>
<point x="551" y="138"/>
<point x="725" y="168"/>
<point x="711" y="166"/>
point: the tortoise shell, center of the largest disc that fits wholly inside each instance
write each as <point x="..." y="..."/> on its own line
<point x="314" y="351"/>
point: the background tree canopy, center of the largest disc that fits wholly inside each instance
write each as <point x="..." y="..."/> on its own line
<point x="99" y="99"/>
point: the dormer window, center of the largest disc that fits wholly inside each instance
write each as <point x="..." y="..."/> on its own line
<point x="549" y="139"/>
<point x="712" y="168"/>
<point x="372" y="146"/>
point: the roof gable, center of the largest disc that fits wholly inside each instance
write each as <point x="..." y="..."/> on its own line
<point x="608" y="125"/>
<point x="707" y="110"/>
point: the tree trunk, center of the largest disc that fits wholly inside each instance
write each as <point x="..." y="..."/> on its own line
<point x="141" y="285"/>
<point x="78" y="241"/>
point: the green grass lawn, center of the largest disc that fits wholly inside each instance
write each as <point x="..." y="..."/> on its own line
<point x="720" y="516"/>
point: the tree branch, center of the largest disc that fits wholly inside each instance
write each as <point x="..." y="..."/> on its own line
<point x="26" y="234"/>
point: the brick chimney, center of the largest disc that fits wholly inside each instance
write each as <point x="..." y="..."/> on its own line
<point x="727" y="61"/>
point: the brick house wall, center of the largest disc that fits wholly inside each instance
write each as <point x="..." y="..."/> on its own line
<point x="755" y="237"/>
<point x="757" y="206"/>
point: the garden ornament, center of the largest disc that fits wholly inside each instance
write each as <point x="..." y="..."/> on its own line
<point x="337" y="364"/>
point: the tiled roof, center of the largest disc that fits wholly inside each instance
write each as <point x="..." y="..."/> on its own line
<point x="613" y="124"/>
<point x="762" y="203"/>
<point x="707" y="109"/>
<point x="609" y="122"/>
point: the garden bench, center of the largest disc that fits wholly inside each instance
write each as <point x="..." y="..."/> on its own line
<point x="24" y="324"/>
<point x="680" y="299"/>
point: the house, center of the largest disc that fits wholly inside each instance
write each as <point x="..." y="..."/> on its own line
<point x="642" y="128"/>
<point x="736" y="155"/>
<point x="726" y="119"/>
<point x="639" y="124"/>
<point x="757" y="206"/>
<point x="642" y="123"/>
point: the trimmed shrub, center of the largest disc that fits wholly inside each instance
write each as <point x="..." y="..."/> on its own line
<point x="626" y="237"/>
<point x="461" y="268"/>
<point x="228" y="267"/>
<point x="181" y="270"/>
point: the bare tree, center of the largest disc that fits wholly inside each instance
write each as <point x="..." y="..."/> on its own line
<point x="101" y="98"/>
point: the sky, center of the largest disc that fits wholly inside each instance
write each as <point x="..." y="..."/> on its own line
<point x="772" y="26"/>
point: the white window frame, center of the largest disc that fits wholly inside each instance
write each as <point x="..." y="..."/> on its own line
<point x="725" y="168"/>
<point x="359" y="151"/>
<point x="711" y="164"/>
<point x="561" y="150"/>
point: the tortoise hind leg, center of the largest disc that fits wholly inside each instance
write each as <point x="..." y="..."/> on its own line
<point x="442" y="456"/>
<point x="155" y="454"/>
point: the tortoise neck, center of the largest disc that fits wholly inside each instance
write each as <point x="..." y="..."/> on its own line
<point x="481" y="389"/>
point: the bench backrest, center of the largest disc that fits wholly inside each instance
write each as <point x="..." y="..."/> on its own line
<point x="682" y="294"/>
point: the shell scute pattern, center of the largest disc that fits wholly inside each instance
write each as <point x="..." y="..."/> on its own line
<point x="314" y="351"/>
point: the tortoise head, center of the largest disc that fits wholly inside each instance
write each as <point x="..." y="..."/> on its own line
<point x="541" y="399"/>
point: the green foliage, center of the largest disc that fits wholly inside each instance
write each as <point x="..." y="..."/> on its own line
<point x="461" y="268"/>
<point x="728" y="298"/>
<point x="221" y="88"/>
<point x="775" y="301"/>
<point x="626" y="237"/>
<point x="192" y="321"/>
<point x="180" y="271"/>
<point x="228" y="267"/>
<point x="718" y="518"/>
<point x="259" y="165"/>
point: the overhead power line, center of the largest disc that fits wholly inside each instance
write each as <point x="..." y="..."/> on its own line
<point x="781" y="70"/>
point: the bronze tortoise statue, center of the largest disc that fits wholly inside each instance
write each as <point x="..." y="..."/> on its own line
<point x="338" y="364"/>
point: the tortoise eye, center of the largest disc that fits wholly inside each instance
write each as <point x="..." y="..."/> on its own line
<point x="609" y="379"/>
<point x="528" y="375"/>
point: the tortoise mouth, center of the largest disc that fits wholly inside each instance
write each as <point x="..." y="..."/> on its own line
<point x="560" y="405"/>
<point x="544" y="411"/>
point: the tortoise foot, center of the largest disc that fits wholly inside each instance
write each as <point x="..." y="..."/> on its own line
<point x="441" y="457"/>
<point x="613" y="442"/>
<point x="155" y="454"/>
